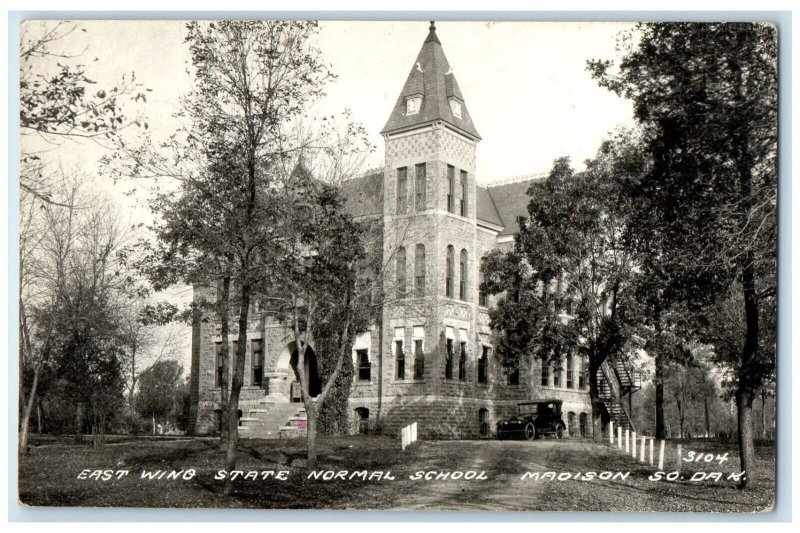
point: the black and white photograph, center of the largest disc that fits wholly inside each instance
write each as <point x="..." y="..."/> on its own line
<point x="397" y="265"/>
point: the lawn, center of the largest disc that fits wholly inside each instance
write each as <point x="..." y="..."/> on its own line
<point x="50" y="475"/>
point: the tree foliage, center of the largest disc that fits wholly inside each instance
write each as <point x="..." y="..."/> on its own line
<point x="566" y="281"/>
<point x="705" y="96"/>
<point x="157" y="397"/>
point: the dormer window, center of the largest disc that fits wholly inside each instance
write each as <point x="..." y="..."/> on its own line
<point x="413" y="104"/>
<point x="455" y="107"/>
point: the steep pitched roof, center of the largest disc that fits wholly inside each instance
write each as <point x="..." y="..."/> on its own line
<point x="432" y="77"/>
<point x="364" y="195"/>
<point x="511" y="201"/>
<point x="487" y="211"/>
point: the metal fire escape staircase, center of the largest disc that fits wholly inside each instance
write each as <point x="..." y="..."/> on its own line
<point x="617" y="383"/>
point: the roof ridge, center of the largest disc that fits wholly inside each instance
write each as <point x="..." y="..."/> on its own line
<point x="517" y="179"/>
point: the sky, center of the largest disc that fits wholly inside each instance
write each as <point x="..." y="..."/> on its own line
<point x="525" y="84"/>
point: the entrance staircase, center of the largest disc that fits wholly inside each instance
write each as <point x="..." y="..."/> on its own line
<point x="617" y="382"/>
<point x="270" y="418"/>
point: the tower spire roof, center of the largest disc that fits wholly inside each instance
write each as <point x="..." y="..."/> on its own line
<point x="432" y="79"/>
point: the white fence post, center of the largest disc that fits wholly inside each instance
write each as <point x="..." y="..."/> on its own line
<point x="619" y="437"/>
<point x="404" y="438"/>
<point x="680" y="458"/>
<point x="641" y="454"/>
<point x="414" y="432"/>
<point x="627" y="441"/>
<point x="611" y="432"/>
<point x="652" y="441"/>
<point x="661" y="455"/>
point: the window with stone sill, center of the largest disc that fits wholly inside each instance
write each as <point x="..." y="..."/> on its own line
<point x="420" y="186"/>
<point x="462" y="362"/>
<point x="364" y="365"/>
<point x="400" y="360"/>
<point x="451" y="189"/>
<point x="448" y="363"/>
<point x="257" y="351"/>
<point x="402" y="189"/>
<point x="419" y="360"/>
<point x="483" y="366"/>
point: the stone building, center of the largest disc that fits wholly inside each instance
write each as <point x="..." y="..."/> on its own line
<point x="429" y="358"/>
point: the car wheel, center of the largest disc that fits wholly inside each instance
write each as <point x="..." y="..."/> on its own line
<point x="560" y="432"/>
<point x="530" y="431"/>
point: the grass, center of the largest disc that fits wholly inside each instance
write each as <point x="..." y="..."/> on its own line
<point x="48" y="476"/>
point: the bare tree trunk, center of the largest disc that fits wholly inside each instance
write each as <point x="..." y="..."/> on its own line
<point x="594" y="396"/>
<point x="26" y="413"/>
<point x="236" y="388"/>
<point x="661" y="429"/>
<point x="708" y="420"/>
<point x="223" y="314"/>
<point x="311" y="437"/>
<point x="747" y="454"/>
<point x="79" y="423"/>
<point x="39" y="421"/>
<point x="763" y="413"/>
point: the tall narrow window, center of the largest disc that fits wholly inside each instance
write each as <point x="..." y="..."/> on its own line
<point x="448" y="363"/>
<point x="402" y="189"/>
<point x="448" y="289"/>
<point x="483" y="366"/>
<point x="545" y="374"/>
<point x="364" y="366"/>
<point x="420" y="186"/>
<point x="399" y="353"/>
<point x="558" y="377"/>
<point x="401" y="272"/>
<point x="570" y="375"/>
<point x="218" y="375"/>
<point x="462" y="282"/>
<point x="419" y="270"/>
<point x="462" y="361"/>
<point x="463" y="206"/>
<point x="451" y="188"/>
<point x="419" y="352"/>
<point x="257" y="356"/>
<point x="513" y="376"/>
<point x="481" y="279"/>
<point x="582" y="374"/>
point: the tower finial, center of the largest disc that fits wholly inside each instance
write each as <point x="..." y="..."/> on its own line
<point x="433" y="25"/>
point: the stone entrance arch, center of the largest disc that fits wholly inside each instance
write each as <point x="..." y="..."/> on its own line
<point x="287" y="366"/>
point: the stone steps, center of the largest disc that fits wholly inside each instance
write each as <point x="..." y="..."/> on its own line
<point x="269" y="420"/>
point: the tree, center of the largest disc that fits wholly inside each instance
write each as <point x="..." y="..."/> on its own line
<point x="69" y="284"/>
<point x="157" y="391"/>
<point x="569" y="251"/>
<point x="253" y="81"/>
<point x="58" y="103"/>
<point x="706" y="97"/>
<point x="321" y="288"/>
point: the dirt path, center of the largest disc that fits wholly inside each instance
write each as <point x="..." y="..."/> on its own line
<point x="499" y="466"/>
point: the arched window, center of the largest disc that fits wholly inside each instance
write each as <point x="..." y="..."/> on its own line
<point x="462" y="284"/>
<point x="448" y="289"/>
<point x="584" y="422"/>
<point x="401" y="272"/>
<point x="419" y="270"/>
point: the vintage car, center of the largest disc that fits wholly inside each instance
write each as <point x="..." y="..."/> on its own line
<point x="533" y="420"/>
